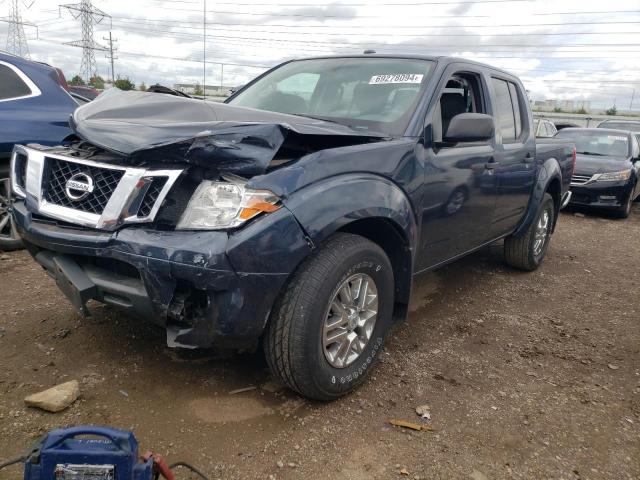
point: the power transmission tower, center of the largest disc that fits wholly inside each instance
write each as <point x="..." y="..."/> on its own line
<point x="110" y="55"/>
<point x="88" y="15"/>
<point x="16" y="39"/>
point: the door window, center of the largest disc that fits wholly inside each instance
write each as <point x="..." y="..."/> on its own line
<point x="515" y="103"/>
<point x="504" y="110"/>
<point x="462" y="94"/>
<point x="508" y="109"/>
<point x="11" y="85"/>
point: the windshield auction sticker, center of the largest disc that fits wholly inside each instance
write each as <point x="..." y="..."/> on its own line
<point x="396" y="78"/>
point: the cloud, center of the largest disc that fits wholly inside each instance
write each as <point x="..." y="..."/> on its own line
<point x="461" y="9"/>
<point x="161" y="41"/>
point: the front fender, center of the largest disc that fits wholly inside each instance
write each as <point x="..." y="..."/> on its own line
<point x="548" y="172"/>
<point x="327" y="206"/>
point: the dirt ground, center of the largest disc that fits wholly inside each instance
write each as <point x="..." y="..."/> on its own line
<point x="527" y="375"/>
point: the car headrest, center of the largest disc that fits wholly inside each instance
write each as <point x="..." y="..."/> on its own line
<point x="370" y="98"/>
<point x="451" y="104"/>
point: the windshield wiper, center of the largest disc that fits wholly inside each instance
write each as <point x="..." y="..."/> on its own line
<point x="357" y="128"/>
<point x="593" y="153"/>
<point x="318" y="118"/>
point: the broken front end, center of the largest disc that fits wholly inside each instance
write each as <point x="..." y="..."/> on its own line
<point x="150" y="208"/>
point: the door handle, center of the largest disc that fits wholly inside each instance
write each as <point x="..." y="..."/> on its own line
<point x="528" y="158"/>
<point x="491" y="165"/>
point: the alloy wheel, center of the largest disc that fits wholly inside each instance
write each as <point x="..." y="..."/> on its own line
<point x="7" y="228"/>
<point x="350" y="320"/>
<point x="541" y="233"/>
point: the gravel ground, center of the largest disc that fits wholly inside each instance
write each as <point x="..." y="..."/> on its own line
<point x="526" y="375"/>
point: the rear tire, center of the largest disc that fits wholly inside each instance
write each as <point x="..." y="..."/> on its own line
<point x="299" y="343"/>
<point x="527" y="251"/>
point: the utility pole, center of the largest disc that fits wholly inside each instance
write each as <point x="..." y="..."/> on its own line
<point x="221" y="78"/>
<point x="88" y="15"/>
<point x="16" y="39"/>
<point x="633" y="95"/>
<point x="110" y="54"/>
<point x="204" y="48"/>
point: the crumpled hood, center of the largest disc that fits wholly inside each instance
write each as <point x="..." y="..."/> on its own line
<point x="151" y="127"/>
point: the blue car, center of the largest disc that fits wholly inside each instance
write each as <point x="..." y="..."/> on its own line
<point x="34" y="108"/>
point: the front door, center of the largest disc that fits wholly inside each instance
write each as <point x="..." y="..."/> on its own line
<point x="459" y="191"/>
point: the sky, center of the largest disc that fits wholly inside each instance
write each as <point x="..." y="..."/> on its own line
<point x="569" y="49"/>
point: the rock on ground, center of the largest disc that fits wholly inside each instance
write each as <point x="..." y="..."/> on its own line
<point x="55" y="399"/>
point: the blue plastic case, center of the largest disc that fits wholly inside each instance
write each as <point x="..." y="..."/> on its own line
<point x="107" y="447"/>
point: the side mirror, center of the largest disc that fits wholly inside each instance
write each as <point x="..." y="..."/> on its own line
<point x="469" y="127"/>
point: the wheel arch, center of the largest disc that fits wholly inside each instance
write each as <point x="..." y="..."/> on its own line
<point x="368" y="205"/>
<point x="554" y="188"/>
<point x="388" y="236"/>
<point x="549" y="180"/>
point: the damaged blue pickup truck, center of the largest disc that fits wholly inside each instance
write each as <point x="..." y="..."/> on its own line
<point x="296" y="214"/>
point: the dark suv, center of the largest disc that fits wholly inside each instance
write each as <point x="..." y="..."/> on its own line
<point x="297" y="212"/>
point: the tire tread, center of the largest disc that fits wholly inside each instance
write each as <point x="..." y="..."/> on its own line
<point x="517" y="250"/>
<point x="298" y="292"/>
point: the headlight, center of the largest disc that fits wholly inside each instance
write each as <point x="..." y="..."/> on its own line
<point x="225" y="204"/>
<point x="613" y="176"/>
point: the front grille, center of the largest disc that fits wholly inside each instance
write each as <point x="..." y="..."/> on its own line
<point x="58" y="172"/>
<point x="580" y="179"/>
<point x="149" y="199"/>
<point x="85" y="193"/>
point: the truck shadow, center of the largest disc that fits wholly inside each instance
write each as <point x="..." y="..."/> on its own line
<point x="217" y="373"/>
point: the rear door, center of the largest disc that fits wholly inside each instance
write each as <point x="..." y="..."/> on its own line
<point x="514" y="168"/>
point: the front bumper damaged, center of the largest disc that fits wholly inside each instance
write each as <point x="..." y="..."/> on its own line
<point x="208" y="289"/>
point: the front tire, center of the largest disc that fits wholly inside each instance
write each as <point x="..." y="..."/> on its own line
<point x="625" y="210"/>
<point x="330" y="321"/>
<point x="527" y="251"/>
<point x="9" y="238"/>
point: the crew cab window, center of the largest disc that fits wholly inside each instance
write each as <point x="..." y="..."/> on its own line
<point x="508" y="109"/>
<point x="462" y="94"/>
<point x="11" y="85"/>
<point x="515" y="102"/>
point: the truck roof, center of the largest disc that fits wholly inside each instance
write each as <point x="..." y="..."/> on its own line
<point x="442" y="59"/>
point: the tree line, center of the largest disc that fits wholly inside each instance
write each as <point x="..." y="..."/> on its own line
<point x="97" y="82"/>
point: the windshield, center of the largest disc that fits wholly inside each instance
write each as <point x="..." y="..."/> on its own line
<point x="594" y="142"/>
<point x="632" y="127"/>
<point x="378" y="94"/>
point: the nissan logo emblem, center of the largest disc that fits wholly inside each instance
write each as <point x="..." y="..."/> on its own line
<point x="78" y="186"/>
